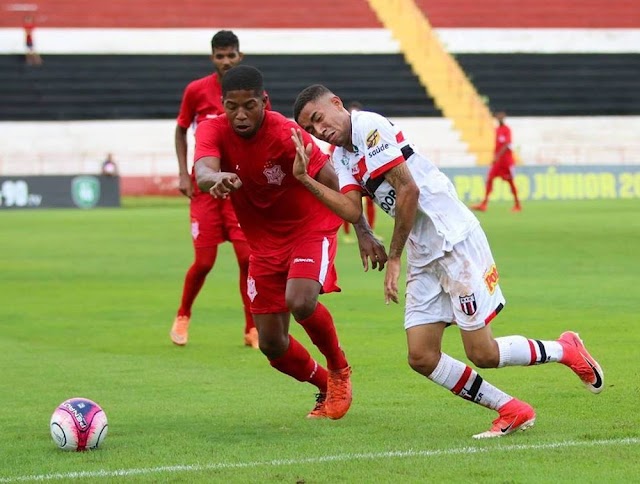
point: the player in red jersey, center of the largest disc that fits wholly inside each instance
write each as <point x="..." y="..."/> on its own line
<point x="31" y="56"/>
<point x="212" y="221"/>
<point x="502" y="166"/>
<point x="248" y="154"/>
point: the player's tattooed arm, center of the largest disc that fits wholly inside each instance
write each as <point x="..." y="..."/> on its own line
<point x="407" y="193"/>
<point x="325" y="187"/>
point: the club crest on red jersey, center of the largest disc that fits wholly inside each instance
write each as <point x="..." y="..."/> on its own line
<point x="468" y="304"/>
<point x="274" y="174"/>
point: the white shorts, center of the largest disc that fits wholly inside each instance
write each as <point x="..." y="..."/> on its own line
<point x="461" y="287"/>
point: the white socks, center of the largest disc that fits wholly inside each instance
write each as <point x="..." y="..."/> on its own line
<point x="466" y="383"/>
<point x="520" y="351"/>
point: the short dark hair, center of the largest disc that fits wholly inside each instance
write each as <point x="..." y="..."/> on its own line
<point x="243" y="78"/>
<point x="224" y="38"/>
<point x="308" y="94"/>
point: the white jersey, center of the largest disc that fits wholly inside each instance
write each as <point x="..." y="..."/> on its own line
<point x="442" y="219"/>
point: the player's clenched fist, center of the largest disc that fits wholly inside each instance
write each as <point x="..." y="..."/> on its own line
<point x="225" y="184"/>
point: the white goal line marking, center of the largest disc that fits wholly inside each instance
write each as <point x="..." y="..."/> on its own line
<point x="318" y="460"/>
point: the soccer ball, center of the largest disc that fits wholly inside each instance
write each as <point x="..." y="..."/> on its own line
<point x="78" y="424"/>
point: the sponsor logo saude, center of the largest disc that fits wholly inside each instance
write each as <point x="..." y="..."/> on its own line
<point x="378" y="150"/>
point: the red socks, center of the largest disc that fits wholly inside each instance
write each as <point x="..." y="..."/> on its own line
<point x="320" y="328"/>
<point x="196" y="275"/>
<point x="297" y="362"/>
<point x="515" y="192"/>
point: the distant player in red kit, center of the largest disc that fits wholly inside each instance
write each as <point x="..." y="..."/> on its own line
<point x="212" y="221"/>
<point x="31" y="56"/>
<point x="247" y="156"/>
<point x="503" y="164"/>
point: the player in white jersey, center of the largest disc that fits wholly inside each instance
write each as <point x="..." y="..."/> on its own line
<point x="452" y="277"/>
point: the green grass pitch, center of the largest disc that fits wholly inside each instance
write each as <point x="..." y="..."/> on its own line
<point x="87" y="299"/>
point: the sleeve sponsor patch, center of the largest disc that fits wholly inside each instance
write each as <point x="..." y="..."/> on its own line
<point x="373" y="138"/>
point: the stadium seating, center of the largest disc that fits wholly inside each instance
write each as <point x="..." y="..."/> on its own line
<point x="558" y="84"/>
<point x="122" y="86"/>
<point x="527" y="84"/>
<point x="71" y="87"/>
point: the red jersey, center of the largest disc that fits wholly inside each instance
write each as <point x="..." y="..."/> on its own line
<point x="202" y="99"/>
<point x="273" y="208"/>
<point x="28" y="32"/>
<point x="503" y="137"/>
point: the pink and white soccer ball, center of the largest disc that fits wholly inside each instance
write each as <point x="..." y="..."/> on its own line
<point x="78" y="424"/>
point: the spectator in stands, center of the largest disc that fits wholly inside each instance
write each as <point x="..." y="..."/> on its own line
<point x="32" y="57"/>
<point x="213" y="221"/>
<point x="109" y="166"/>
<point x="502" y="165"/>
<point x="371" y="207"/>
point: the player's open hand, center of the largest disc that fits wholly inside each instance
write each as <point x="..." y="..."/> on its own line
<point x="391" y="280"/>
<point x="371" y="249"/>
<point x="303" y="153"/>
<point x="225" y="184"/>
<point x="185" y="185"/>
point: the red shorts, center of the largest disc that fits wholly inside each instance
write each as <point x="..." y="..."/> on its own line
<point x="502" y="170"/>
<point x="311" y="257"/>
<point x="213" y="221"/>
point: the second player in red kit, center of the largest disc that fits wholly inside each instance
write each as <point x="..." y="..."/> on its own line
<point x="212" y="221"/>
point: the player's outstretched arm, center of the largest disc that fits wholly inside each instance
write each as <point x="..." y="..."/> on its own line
<point x="348" y="206"/>
<point x="209" y="178"/>
<point x="326" y="188"/>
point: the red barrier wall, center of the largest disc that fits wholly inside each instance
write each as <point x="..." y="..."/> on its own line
<point x="533" y="13"/>
<point x="322" y="14"/>
<point x="197" y="13"/>
<point x="149" y="185"/>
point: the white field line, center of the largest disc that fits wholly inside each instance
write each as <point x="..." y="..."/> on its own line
<point x="322" y="459"/>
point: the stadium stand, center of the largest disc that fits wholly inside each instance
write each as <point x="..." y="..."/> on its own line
<point x="119" y="86"/>
<point x="558" y="84"/>
<point x="72" y="87"/>
<point x="547" y="84"/>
